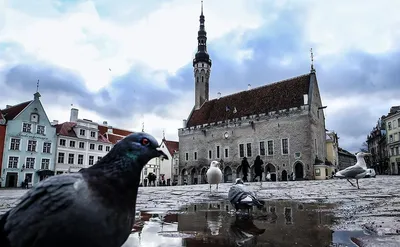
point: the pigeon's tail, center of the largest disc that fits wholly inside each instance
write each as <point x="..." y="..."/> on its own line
<point x="4" y="242"/>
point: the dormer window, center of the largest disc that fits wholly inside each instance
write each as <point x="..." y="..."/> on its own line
<point x="34" y="117"/>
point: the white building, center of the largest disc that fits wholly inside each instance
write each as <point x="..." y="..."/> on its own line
<point x="392" y="121"/>
<point x="82" y="142"/>
<point x="167" y="170"/>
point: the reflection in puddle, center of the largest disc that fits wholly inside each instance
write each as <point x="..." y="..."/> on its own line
<point x="279" y="223"/>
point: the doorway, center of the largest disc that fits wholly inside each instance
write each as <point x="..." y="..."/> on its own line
<point x="284" y="175"/>
<point x="12" y="180"/>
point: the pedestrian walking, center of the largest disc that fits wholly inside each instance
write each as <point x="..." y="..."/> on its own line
<point x="245" y="169"/>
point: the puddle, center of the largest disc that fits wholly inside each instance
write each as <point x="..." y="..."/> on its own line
<point x="279" y="223"/>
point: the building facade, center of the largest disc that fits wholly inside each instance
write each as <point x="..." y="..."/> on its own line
<point x="377" y="146"/>
<point x="283" y="122"/>
<point x="29" y="148"/>
<point x="3" y="128"/>
<point x="392" y="121"/>
<point x="346" y="158"/>
<point x="82" y="142"/>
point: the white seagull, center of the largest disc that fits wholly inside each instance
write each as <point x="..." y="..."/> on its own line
<point x="357" y="171"/>
<point x="214" y="174"/>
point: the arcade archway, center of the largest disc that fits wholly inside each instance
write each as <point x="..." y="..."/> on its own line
<point x="284" y="175"/>
<point x="203" y="175"/>
<point x="272" y="170"/>
<point x="193" y="176"/>
<point x="227" y="175"/>
<point x="299" y="170"/>
<point x="184" y="176"/>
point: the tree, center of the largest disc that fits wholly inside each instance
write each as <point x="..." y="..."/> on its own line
<point x="364" y="147"/>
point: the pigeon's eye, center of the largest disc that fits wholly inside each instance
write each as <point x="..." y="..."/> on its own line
<point x="145" y="142"/>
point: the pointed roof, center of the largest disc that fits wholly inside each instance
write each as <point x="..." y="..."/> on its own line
<point x="272" y="97"/>
<point x="172" y="146"/>
<point x="13" y="111"/>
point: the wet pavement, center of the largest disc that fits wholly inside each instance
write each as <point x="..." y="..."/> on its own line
<point x="370" y="215"/>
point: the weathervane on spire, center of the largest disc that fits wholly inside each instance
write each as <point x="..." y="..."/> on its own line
<point x="37" y="86"/>
<point x="312" y="60"/>
<point x="142" y="126"/>
<point x="201" y="7"/>
<point x="163" y="134"/>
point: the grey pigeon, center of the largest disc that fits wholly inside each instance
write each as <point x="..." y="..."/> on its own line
<point x="242" y="198"/>
<point x="94" y="207"/>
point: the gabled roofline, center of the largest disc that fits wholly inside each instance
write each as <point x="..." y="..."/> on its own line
<point x="23" y="109"/>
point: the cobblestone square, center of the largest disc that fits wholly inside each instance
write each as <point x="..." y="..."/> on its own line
<point x="374" y="207"/>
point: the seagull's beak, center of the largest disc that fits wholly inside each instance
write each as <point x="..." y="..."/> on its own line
<point x="161" y="154"/>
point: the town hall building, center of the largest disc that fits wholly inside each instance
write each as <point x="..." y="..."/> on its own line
<point x="283" y="122"/>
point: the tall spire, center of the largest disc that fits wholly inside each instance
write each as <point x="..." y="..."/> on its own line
<point x="312" y="61"/>
<point x="202" y="55"/>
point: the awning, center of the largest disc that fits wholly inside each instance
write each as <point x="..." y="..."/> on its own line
<point x="45" y="172"/>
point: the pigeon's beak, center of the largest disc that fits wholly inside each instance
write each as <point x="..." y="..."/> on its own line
<point x="162" y="155"/>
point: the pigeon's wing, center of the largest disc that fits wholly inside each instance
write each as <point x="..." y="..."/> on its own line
<point x="235" y="193"/>
<point x="26" y="220"/>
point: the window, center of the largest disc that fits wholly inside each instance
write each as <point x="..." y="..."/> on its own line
<point x="285" y="146"/>
<point x="100" y="147"/>
<point x="80" y="159"/>
<point x="34" y="117"/>
<point x="218" y="155"/>
<point x="91" y="146"/>
<point x="99" y="158"/>
<point x="27" y="127"/>
<point x="241" y="150"/>
<point x="82" y="132"/>
<point x="317" y="172"/>
<point x="31" y="146"/>
<point x="15" y="144"/>
<point x="270" y="147"/>
<point x="226" y="152"/>
<point x="62" y="142"/>
<point x="72" y="144"/>
<point x="390" y="138"/>
<point x="145" y="171"/>
<point x="398" y="122"/>
<point x="91" y="160"/>
<point x="186" y="156"/>
<point x="248" y="146"/>
<point x="30" y="163"/>
<point x="45" y="164"/>
<point x="209" y="154"/>
<point x="81" y="145"/>
<point x="195" y="155"/>
<point x="47" y="147"/>
<point x="93" y="134"/>
<point x="61" y="157"/>
<point x="391" y="151"/>
<point x="40" y="129"/>
<point x="107" y="148"/>
<point x="71" y="158"/>
<point x="13" y="162"/>
<point x="389" y="124"/>
<point x="262" y="148"/>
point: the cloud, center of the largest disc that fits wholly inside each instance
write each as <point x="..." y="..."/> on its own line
<point x="72" y="47"/>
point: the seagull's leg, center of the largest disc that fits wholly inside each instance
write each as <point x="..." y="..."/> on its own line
<point x="217" y="187"/>
<point x="358" y="187"/>
<point x="351" y="182"/>
<point x="210" y="188"/>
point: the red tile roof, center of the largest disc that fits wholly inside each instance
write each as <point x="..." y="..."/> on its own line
<point x="171" y="146"/>
<point x="13" y="111"/>
<point x="66" y="129"/>
<point x="272" y="97"/>
<point x="103" y="129"/>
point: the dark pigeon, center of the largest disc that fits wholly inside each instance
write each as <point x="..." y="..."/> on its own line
<point x="242" y="198"/>
<point x="95" y="207"/>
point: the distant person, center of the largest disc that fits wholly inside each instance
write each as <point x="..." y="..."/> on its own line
<point x="245" y="169"/>
<point x="258" y="169"/>
<point x="268" y="176"/>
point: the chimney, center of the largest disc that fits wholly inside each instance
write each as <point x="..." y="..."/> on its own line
<point x="110" y="129"/>
<point x="8" y="106"/>
<point x="248" y="86"/>
<point x="105" y="123"/>
<point x="219" y="95"/>
<point x="55" y="122"/>
<point x="184" y="123"/>
<point x="74" y="115"/>
<point x="305" y="99"/>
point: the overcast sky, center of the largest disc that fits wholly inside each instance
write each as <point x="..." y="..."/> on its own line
<point x="131" y="62"/>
